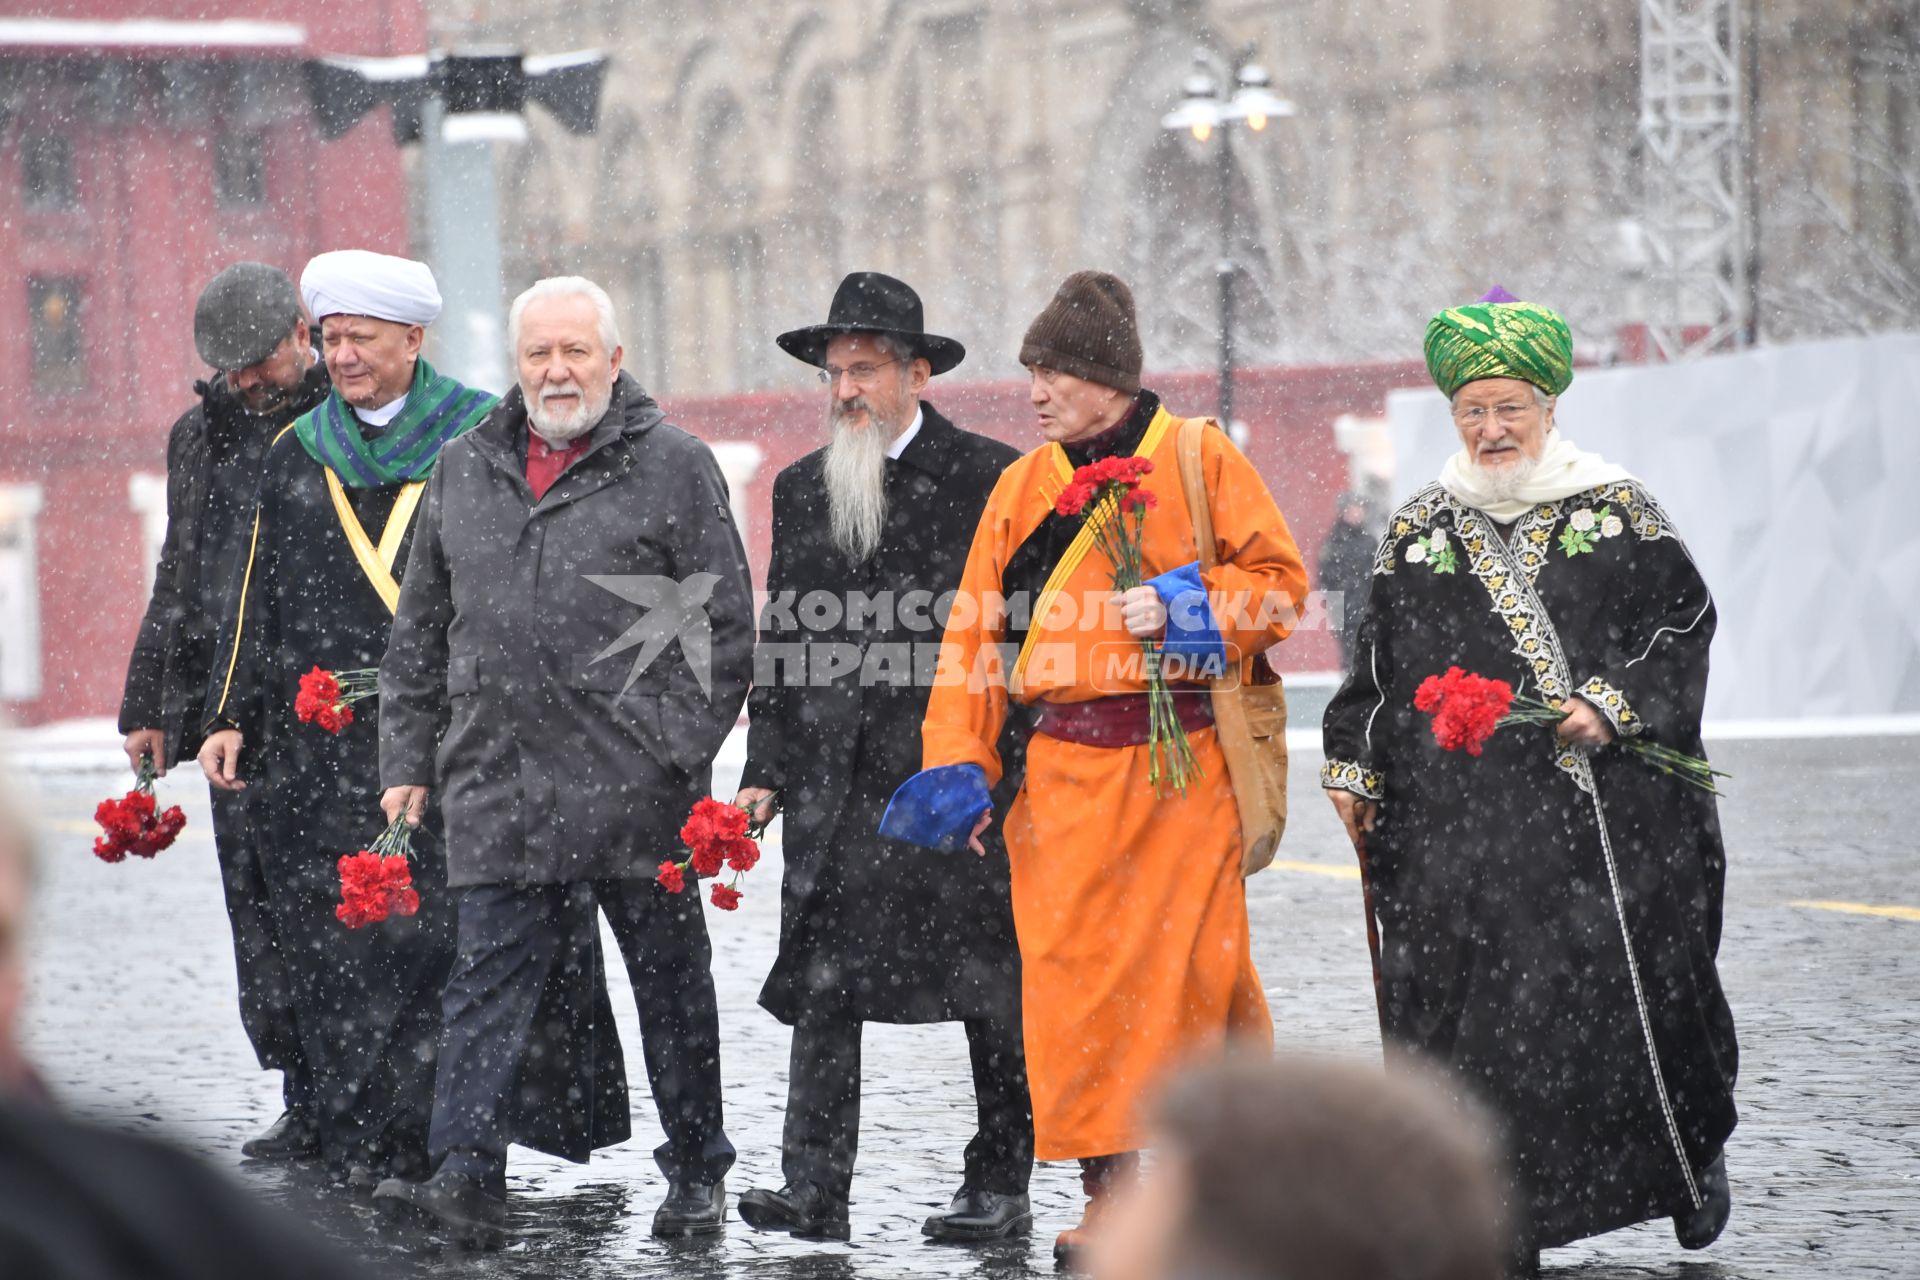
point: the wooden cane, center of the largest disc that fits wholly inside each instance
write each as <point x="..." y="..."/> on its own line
<point x="1373" y="933"/>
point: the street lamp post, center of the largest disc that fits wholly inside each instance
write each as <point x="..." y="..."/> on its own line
<point x="1203" y="111"/>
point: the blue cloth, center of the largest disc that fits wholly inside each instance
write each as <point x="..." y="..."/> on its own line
<point x="1192" y="631"/>
<point x="936" y="808"/>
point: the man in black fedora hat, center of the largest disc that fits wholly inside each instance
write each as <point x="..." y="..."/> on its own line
<point x="871" y="930"/>
<point x="249" y="327"/>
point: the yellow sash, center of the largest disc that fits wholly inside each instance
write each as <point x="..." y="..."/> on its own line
<point x="1082" y="543"/>
<point x="377" y="562"/>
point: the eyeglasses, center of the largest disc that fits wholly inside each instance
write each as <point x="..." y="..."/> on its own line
<point x="1507" y="415"/>
<point x="862" y="372"/>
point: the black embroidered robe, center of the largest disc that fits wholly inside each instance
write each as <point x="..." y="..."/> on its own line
<point x="1549" y="917"/>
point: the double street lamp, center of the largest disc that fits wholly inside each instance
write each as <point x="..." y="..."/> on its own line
<point x="1206" y="108"/>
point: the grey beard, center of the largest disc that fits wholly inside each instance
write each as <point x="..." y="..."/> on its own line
<point x="856" y="474"/>
<point x="1504" y="482"/>
<point x="560" y="428"/>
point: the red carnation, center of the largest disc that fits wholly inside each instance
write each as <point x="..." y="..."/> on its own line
<point x="707" y="858"/>
<point x="742" y="853"/>
<point x="132" y="823"/>
<point x="1466" y="708"/>
<point x="374" y="886"/>
<point x="726" y="897"/>
<point x="1139" y="502"/>
<point x="327" y="699"/>
<point x="671" y="877"/>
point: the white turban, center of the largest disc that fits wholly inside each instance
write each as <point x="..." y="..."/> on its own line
<point x="359" y="282"/>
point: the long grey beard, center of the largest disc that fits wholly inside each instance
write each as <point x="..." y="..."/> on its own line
<point x="857" y="488"/>
<point x="1504" y="482"/>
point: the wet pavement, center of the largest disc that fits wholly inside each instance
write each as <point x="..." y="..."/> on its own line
<point x="133" y="1020"/>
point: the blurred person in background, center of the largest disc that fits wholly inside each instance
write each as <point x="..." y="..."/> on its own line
<point x="872" y="930"/>
<point x="1548" y="904"/>
<point x="1308" y="1169"/>
<point x="329" y="532"/>
<point x="1346" y="567"/>
<point x="248" y="325"/>
<point x="80" y="1202"/>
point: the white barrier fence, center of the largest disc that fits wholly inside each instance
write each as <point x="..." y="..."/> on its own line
<point x="1793" y="473"/>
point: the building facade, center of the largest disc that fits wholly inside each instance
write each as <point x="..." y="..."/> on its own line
<point x="753" y="152"/>
<point x="139" y="154"/>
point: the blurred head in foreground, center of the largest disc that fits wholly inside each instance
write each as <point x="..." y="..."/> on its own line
<point x="1303" y="1169"/>
<point x="16" y="881"/>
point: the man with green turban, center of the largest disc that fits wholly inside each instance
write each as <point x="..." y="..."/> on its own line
<point x="1547" y="905"/>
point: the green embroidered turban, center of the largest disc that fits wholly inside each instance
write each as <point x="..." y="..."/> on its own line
<point x="1499" y="337"/>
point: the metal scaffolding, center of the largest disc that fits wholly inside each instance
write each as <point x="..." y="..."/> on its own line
<point x="1696" y="218"/>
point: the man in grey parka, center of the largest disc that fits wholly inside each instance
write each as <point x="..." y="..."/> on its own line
<point x="574" y="641"/>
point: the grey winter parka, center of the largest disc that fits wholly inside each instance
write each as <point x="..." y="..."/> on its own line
<point x="563" y="671"/>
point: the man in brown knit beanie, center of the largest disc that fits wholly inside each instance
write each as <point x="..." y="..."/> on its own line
<point x="1127" y="894"/>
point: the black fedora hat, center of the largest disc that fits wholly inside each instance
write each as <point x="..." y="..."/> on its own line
<point x="868" y="302"/>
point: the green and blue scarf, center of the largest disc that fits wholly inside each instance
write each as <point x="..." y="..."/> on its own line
<point x="438" y="410"/>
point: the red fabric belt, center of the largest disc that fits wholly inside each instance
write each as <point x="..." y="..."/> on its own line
<point x="1121" y="720"/>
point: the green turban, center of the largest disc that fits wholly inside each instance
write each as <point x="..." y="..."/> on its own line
<point x="1502" y="338"/>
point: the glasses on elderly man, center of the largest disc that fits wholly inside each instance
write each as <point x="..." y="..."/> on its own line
<point x="1507" y="415"/>
<point x="862" y="372"/>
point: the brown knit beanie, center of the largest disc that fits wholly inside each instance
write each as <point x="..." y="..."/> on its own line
<point x="1089" y="331"/>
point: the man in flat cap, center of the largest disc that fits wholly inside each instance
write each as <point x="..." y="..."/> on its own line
<point x="1548" y="906"/>
<point x="1134" y="949"/>
<point x="317" y="588"/>
<point x="248" y="326"/>
<point x="872" y="930"/>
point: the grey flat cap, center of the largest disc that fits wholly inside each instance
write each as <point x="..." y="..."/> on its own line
<point x="243" y="314"/>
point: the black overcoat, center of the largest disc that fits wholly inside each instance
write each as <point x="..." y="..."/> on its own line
<point x="366" y="1001"/>
<point x="214" y="453"/>
<point x="1549" y="917"/>
<point x="872" y="928"/>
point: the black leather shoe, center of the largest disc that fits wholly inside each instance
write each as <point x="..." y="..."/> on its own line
<point x="450" y="1202"/>
<point x="294" y="1136"/>
<point x="799" y="1209"/>
<point x="1703" y="1226"/>
<point x="691" y="1209"/>
<point x="979" y="1215"/>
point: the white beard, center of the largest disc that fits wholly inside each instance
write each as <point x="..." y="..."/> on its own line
<point x="1505" y="481"/>
<point x="856" y="474"/>
<point x="558" y="428"/>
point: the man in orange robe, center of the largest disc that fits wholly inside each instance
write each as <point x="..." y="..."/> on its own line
<point x="1129" y="907"/>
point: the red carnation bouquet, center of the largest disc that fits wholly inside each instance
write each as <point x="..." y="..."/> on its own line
<point x="718" y="836"/>
<point x="377" y="883"/>
<point x="1467" y="708"/>
<point x="1108" y="497"/>
<point x="133" y="823"/>
<point x="326" y="698"/>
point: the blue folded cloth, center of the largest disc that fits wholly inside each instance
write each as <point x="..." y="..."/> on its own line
<point x="1192" y="630"/>
<point x="936" y="808"/>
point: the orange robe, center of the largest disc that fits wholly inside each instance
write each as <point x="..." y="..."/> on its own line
<point x="1130" y="910"/>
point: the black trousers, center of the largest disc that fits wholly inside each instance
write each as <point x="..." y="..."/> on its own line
<point x="822" y="1132"/>
<point x="259" y="961"/>
<point x="510" y="940"/>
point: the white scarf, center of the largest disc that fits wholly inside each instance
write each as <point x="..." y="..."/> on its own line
<point x="1562" y="471"/>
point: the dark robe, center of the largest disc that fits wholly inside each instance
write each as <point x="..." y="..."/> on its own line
<point x="874" y="929"/>
<point x="366" y="1001"/>
<point x="1549" y="917"/>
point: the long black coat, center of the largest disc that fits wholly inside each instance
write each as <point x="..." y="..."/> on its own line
<point x="508" y="685"/>
<point x="213" y="471"/>
<point x="1549" y="918"/>
<point x="366" y="1001"/>
<point x="872" y="928"/>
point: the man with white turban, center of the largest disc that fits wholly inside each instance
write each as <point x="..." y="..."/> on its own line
<point x="317" y="588"/>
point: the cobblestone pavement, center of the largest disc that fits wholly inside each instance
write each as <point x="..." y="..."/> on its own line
<point x="133" y="1020"/>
